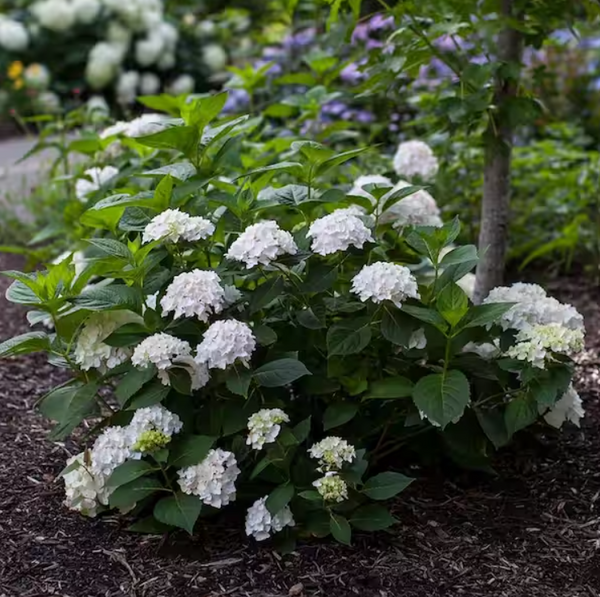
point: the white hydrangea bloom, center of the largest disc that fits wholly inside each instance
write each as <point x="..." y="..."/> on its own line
<point x="103" y="63"/>
<point x="415" y="158"/>
<point x="151" y="300"/>
<point x="154" y="418"/>
<point x="111" y="449"/>
<point x="127" y="85"/>
<point x="149" y="84"/>
<point x="99" y="177"/>
<point x="148" y="50"/>
<point x="485" y="350"/>
<point x="338" y="231"/>
<point x="215" y="57"/>
<point x="86" y="11"/>
<point x="197" y="293"/>
<point x="232" y="295"/>
<point x="418" y="339"/>
<point x="173" y="225"/>
<point x="224" y="343"/>
<point x="36" y="76"/>
<point x="167" y="61"/>
<point x="533" y="307"/>
<point x="264" y="427"/>
<point x="146" y="124"/>
<point x="56" y="15"/>
<point x="332" y="488"/>
<point x="82" y="488"/>
<point x="467" y="283"/>
<point x="117" y="34"/>
<point x="262" y="243"/>
<point x="260" y="523"/>
<point x="331" y="453"/>
<point x="374" y="179"/>
<point x="418" y="209"/>
<point x="13" y="35"/>
<point x="161" y="350"/>
<point x="118" y="128"/>
<point x="91" y="352"/>
<point x="182" y="85"/>
<point x="384" y="281"/>
<point x="47" y="102"/>
<point x="568" y="408"/>
<point x="537" y="343"/>
<point x="213" y="480"/>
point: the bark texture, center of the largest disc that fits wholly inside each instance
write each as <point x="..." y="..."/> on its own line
<point x="493" y="235"/>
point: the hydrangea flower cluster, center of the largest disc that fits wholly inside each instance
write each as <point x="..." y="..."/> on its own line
<point x="537" y="343"/>
<point x="264" y="427"/>
<point x="99" y="177"/>
<point x="213" y="480"/>
<point x="262" y="243"/>
<point x="418" y="209"/>
<point x="260" y="523"/>
<point x="369" y="179"/>
<point x="338" y="231"/>
<point x="13" y="35"/>
<point x="533" y="307"/>
<point x="568" y="408"/>
<point x="146" y="124"/>
<point x="154" y="418"/>
<point x="111" y="449"/>
<point x="415" y="159"/>
<point x="332" y="487"/>
<point x="91" y="352"/>
<point x="197" y="293"/>
<point x="331" y="453"/>
<point x="82" y="488"/>
<point x="385" y="281"/>
<point x="224" y="343"/>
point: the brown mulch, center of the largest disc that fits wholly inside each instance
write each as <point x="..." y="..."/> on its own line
<point x="532" y="531"/>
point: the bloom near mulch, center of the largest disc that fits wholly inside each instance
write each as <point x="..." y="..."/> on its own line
<point x="531" y="531"/>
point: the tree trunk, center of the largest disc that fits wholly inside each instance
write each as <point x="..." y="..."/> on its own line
<point x="496" y="179"/>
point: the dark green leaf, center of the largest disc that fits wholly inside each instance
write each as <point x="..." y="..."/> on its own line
<point x="339" y="414"/>
<point x="520" y="413"/>
<point x="391" y="387"/>
<point x="266" y="293"/>
<point x="129" y="471"/>
<point x="349" y="337"/>
<point x="190" y="450"/>
<point x="279" y="498"/>
<point x="280" y="373"/>
<point x="340" y="529"/>
<point x="24" y="344"/>
<point x="372" y="517"/>
<point x="129" y="494"/>
<point x="179" y="510"/>
<point x="386" y="485"/>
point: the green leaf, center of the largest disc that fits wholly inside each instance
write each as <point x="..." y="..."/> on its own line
<point x="264" y="335"/>
<point x="426" y="315"/>
<point x="340" y="529"/>
<point x="482" y="315"/>
<point x="279" y="498"/>
<point x="302" y="430"/>
<point x="349" y="337"/>
<point x="372" y="517"/>
<point x="386" y="485"/>
<point x="190" y="450"/>
<point x="494" y="427"/>
<point x="396" y="326"/>
<point x="153" y="393"/>
<point x="129" y="494"/>
<point x="392" y="197"/>
<point x="182" y="138"/>
<point x="105" y="298"/>
<point x="520" y="413"/>
<point x="24" y="344"/>
<point x="320" y="278"/>
<point x="53" y="405"/>
<point x="307" y="318"/>
<point x="280" y="373"/>
<point x="149" y="526"/>
<point x="442" y="397"/>
<point x="311" y="495"/>
<point x="391" y="387"/>
<point x="466" y="253"/>
<point x="132" y="382"/>
<point x="129" y="471"/>
<point x="266" y="293"/>
<point x="163" y="192"/>
<point x="339" y="159"/>
<point x="238" y="381"/>
<point x="77" y="406"/>
<point x="339" y="414"/>
<point x="112" y="247"/>
<point x="452" y="303"/>
<point x="179" y="510"/>
<point x="180" y="170"/>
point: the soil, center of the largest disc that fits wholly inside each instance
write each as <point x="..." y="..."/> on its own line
<point x="531" y="531"/>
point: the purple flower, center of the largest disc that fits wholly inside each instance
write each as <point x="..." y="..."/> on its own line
<point x="274" y="69"/>
<point x="363" y="116"/>
<point x="379" y="22"/>
<point x="333" y="108"/>
<point x="360" y="33"/>
<point x="351" y="73"/>
<point x="299" y="40"/>
<point x="273" y="53"/>
<point x="237" y="101"/>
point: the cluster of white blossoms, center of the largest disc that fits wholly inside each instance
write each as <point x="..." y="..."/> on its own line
<point x="13" y="35"/>
<point x="533" y="307"/>
<point x="181" y="85"/>
<point x="174" y="225"/>
<point x="415" y="159"/>
<point x="260" y="523"/>
<point x="224" y="343"/>
<point x="91" y="352"/>
<point x="418" y="209"/>
<point x="82" y="488"/>
<point x="385" y="281"/>
<point x="331" y="453"/>
<point x="536" y="343"/>
<point x="568" y="408"/>
<point x="146" y="124"/>
<point x="262" y="243"/>
<point x="264" y="427"/>
<point x="369" y="179"/>
<point x="332" y="487"/>
<point x="213" y="480"/>
<point x="98" y="176"/>
<point x="152" y="427"/>
<point x="36" y="76"/>
<point x="194" y="294"/>
<point x="111" y="449"/>
<point x="338" y="231"/>
<point x="417" y="339"/>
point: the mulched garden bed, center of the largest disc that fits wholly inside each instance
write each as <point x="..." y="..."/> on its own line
<point x="532" y="531"/>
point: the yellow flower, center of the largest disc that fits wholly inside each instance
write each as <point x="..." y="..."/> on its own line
<point x="18" y="84"/>
<point x="15" y="70"/>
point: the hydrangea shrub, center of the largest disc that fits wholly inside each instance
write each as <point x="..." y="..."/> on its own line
<point x="272" y="344"/>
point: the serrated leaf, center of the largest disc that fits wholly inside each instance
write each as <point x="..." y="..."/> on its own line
<point x="386" y="485"/>
<point x="339" y="414"/>
<point x="372" y="517"/>
<point x="132" y="382"/>
<point x="105" y="298"/>
<point x="190" y="450"/>
<point x="340" y="529"/>
<point x="482" y="315"/>
<point x="396" y="326"/>
<point x="452" y="303"/>
<point x="520" y="413"/>
<point x="279" y="498"/>
<point x="266" y="293"/>
<point x="348" y="337"/>
<point x="280" y="373"/>
<point x="179" y="510"/>
<point x="129" y="494"/>
<point x="112" y="247"/>
<point x="129" y="471"/>
<point x="391" y="387"/>
<point x="25" y="344"/>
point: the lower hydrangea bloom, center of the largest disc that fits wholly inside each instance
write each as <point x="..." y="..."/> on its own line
<point x="338" y="231"/>
<point x="194" y="294"/>
<point x="332" y="452"/>
<point x="261" y="524"/>
<point x="415" y="158"/>
<point x="418" y="209"/>
<point x="358" y="189"/>
<point x="111" y="449"/>
<point x="384" y="281"/>
<point x="332" y="488"/>
<point x="213" y="480"/>
<point x="262" y="243"/>
<point x="174" y="225"/>
<point x="82" y="488"/>
<point x="536" y="344"/>
<point x="264" y="427"/>
<point x="99" y="177"/>
<point x="568" y="408"/>
<point x="224" y="343"/>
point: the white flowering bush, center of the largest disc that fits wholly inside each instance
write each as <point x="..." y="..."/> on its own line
<point x="270" y="340"/>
